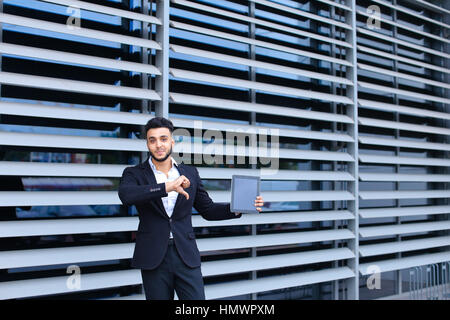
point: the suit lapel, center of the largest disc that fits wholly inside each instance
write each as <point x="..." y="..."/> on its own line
<point x="152" y="179"/>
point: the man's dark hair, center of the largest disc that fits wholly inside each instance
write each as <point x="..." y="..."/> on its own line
<point x="158" y="122"/>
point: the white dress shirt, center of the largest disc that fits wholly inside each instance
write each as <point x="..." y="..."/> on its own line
<point x="169" y="201"/>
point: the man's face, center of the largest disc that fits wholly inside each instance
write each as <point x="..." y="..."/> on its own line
<point x="160" y="143"/>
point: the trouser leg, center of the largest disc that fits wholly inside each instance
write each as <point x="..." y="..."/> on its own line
<point x="188" y="282"/>
<point x="159" y="282"/>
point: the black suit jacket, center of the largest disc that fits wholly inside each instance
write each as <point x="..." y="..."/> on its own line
<point x="138" y="186"/>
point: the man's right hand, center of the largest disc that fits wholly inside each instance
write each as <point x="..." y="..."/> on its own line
<point x="179" y="185"/>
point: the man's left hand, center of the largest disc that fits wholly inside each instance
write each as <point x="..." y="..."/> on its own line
<point x="259" y="202"/>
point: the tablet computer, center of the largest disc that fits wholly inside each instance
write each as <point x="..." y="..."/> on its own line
<point x="244" y="190"/>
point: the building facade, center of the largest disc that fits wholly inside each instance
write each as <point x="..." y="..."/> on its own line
<point x="342" y="107"/>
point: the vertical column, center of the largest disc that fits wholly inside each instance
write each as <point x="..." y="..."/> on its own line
<point x="162" y="58"/>
<point x="315" y="145"/>
<point x="145" y="55"/>
<point x="1" y="40"/>
<point x="335" y="284"/>
<point x="145" y="59"/>
<point x="446" y="78"/>
<point x="446" y="33"/>
<point x="442" y="107"/>
<point x="398" y="220"/>
<point x="352" y="284"/>
<point x="252" y="119"/>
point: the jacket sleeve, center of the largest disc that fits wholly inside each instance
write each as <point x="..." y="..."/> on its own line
<point x="207" y="208"/>
<point x="132" y="193"/>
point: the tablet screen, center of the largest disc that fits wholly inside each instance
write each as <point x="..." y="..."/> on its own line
<point x="244" y="189"/>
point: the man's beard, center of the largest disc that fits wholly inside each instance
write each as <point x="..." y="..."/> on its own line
<point x="165" y="157"/>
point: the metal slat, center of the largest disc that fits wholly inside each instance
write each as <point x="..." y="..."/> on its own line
<point x="197" y="76"/>
<point x="219" y="267"/>
<point x="386" y="230"/>
<point x="403" y="126"/>
<point x="69" y="255"/>
<point x="259" y="43"/>
<point x="28" y="228"/>
<point x="235" y="288"/>
<point x="404" y="263"/>
<point x="78" y="59"/>
<point x="240" y="242"/>
<point x="61" y="198"/>
<point x="403" y="212"/>
<point x="26" y="80"/>
<point x="301" y="175"/>
<point x="73" y="113"/>
<point x="402" y="246"/>
<point x="16" y="168"/>
<point x="58" y="285"/>
<point x="71" y="142"/>
<point x="376" y="105"/>
<point x="403" y="143"/>
<point x="335" y="4"/>
<point x="107" y="10"/>
<point x="80" y="32"/>
<point x="257" y="64"/>
<point x="31" y="228"/>
<point x="57" y="198"/>
<point x="404" y="160"/>
<point x="393" y="194"/>
<point x="278" y="217"/>
<point x="192" y="100"/>
<point x="372" y="176"/>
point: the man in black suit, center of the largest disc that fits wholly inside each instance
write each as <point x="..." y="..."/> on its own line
<point x="164" y="193"/>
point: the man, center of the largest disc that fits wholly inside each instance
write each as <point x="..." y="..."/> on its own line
<point x="164" y="193"/>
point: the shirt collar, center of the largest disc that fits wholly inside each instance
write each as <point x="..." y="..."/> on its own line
<point x="174" y="163"/>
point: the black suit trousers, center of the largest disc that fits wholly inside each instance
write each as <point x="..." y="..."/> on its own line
<point x="173" y="275"/>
